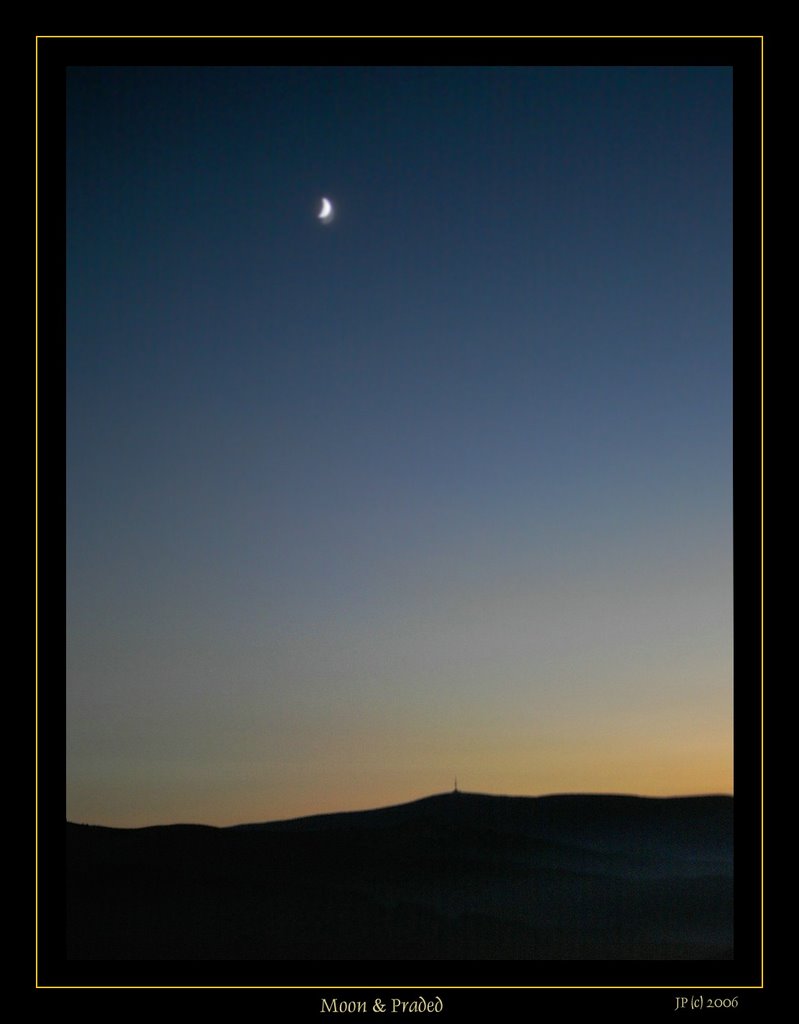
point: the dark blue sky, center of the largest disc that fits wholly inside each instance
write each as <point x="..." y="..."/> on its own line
<point x="444" y="485"/>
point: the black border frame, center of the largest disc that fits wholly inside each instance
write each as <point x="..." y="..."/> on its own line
<point x="450" y="980"/>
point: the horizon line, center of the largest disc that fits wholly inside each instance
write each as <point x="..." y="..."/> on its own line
<point x="429" y="796"/>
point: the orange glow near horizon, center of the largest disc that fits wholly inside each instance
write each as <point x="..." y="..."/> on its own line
<point x="238" y="797"/>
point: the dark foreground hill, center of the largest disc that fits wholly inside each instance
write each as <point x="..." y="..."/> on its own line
<point x="453" y="877"/>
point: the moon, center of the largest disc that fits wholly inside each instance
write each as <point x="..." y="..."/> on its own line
<point x="326" y="212"/>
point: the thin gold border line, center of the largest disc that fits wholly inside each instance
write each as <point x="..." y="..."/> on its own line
<point x="36" y="501"/>
<point x="761" y="38"/>
<point x="762" y="520"/>
<point x="406" y="37"/>
<point x="435" y="988"/>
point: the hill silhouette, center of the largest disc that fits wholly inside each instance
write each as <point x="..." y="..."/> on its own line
<point x="453" y="876"/>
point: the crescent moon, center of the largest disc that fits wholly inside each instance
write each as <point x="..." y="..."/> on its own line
<point x="326" y="213"/>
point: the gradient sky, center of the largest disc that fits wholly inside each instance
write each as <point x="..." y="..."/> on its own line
<point x="443" y="487"/>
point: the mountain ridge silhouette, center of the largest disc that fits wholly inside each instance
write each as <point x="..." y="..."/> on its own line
<point x="449" y="876"/>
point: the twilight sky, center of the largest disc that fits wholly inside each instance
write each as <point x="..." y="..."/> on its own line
<point x="442" y="487"/>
